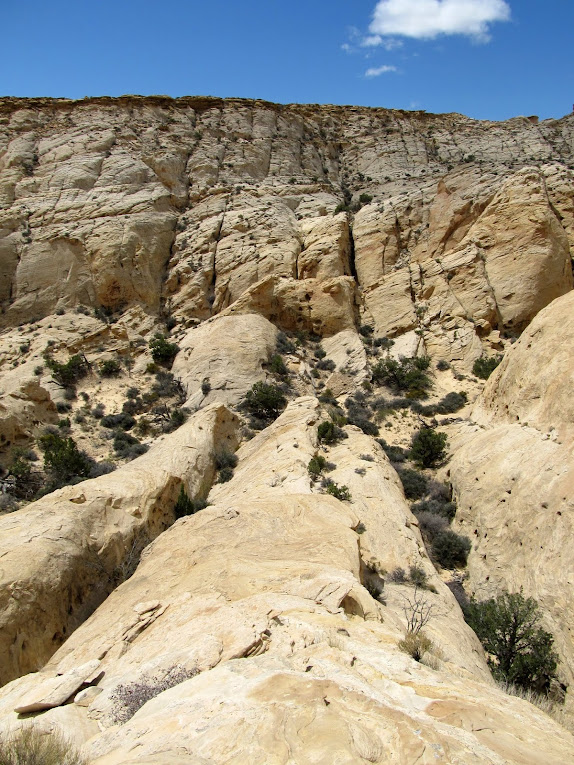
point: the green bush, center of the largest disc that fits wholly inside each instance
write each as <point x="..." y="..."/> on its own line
<point x="450" y="550"/>
<point x="394" y="453"/>
<point x="110" y="368"/>
<point x="69" y="373"/>
<point x="186" y="506"/>
<point x="264" y="401"/>
<point x="416" y="644"/>
<point x="520" y="651"/>
<point x="339" y="491"/>
<point x="63" y="459"/>
<point x="277" y="366"/>
<point x="316" y="465"/>
<point x="428" y="447"/>
<point x="28" y="746"/>
<point x="485" y="366"/>
<point x="407" y="374"/>
<point x="162" y="351"/>
<point x="329" y="433"/>
<point x="414" y="483"/>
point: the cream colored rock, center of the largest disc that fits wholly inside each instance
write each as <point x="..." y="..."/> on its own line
<point x="55" y="691"/>
<point x="62" y="554"/>
<point x="229" y="352"/>
<point x="324" y="308"/>
<point x="261" y="596"/>
<point x="513" y="477"/>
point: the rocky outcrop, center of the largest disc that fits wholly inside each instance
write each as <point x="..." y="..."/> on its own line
<point x="202" y="205"/>
<point x="62" y="555"/>
<point x="274" y="643"/>
<point x="513" y="475"/>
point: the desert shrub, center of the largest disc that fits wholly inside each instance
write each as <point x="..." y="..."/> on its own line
<point x="367" y="457"/>
<point x="187" y="506"/>
<point x="365" y="330"/>
<point x="320" y="352"/>
<point x="520" y="651"/>
<point x="224" y="475"/>
<point x="383" y="342"/>
<point x="368" y="427"/>
<point x="452" y="402"/>
<point x="122" y="420"/>
<point x="364" y="199"/>
<point x="205" y="386"/>
<point x="277" y="366"/>
<point x="414" y="483"/>
<point x="162" y="351"/>
<point x="316" y="465"/>
<point x="327" y="397"/>
<point x="407" y="374"/>
<point x="62" y="458"/>
<point x="284" y="345"/>
<point x="442" y="365"/>
<point x="450" y="550"/>
<point x="436" y="507"/>
<point x="418" y="576"/>
<point x="264" y="401"/>
<point x="167" y="386"/>
<point x="176" y="419"/>
<point x="326" y="365"/>
<point x="225" y="459"/>
<point x="416" y="645"/>
<point x="428" y="447"/>
<point x="339" y="491"/>
<point x="110" y="368"/>
<point x="98" y="411"/>
<point x="398" y="575"/>
<point x="69" y="373"/>
<point x="329" y="433"/>
<point x="375" y="586"/>
<point x="29" y="746"/>
<point x="101" y="468"/>
<point x="485" y="366"/>
<point x="132" y="696"/>
<point x="133" y="406"/>
<point x="394" y="453"/>
<point x="38" y="370"/>
<point x="127" y="446"/>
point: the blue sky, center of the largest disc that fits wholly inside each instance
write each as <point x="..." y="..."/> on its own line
<point x="489" y="59"/>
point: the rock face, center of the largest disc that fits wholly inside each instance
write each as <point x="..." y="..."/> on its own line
<point x="63" y="554"/>
<point x="201" y="205"/>
<point x="276" y="650"/>
<point x="266" y="627"/>
<point x="513" y="475"/>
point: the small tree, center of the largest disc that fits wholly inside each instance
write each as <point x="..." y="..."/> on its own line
<point x="450" y="550"/>
<point x="428" y="447"/>
<point x="162" y="351"/>
<point x="264" y="401"/>
<point x="521" y="652"/>
<point x="63" y="459"/>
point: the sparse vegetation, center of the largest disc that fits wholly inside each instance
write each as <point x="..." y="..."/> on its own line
<point x="485" y="366"/>
<point x="110" y="368"/>
<point x="317" y="465"/>
<point x="414" y="483"/>
<point x="29" y="746"/>
<point x="132" y="696"/>
<point x="186" y="506"/>
<point x="407" y="374"/>
<point x="336" y="490"/>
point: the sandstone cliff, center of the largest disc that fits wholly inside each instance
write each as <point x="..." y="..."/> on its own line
<point x="299" y="246"/>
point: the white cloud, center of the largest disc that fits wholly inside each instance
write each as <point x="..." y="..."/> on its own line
<point x="430" y="18"/>
<point x="377" y="71"/>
